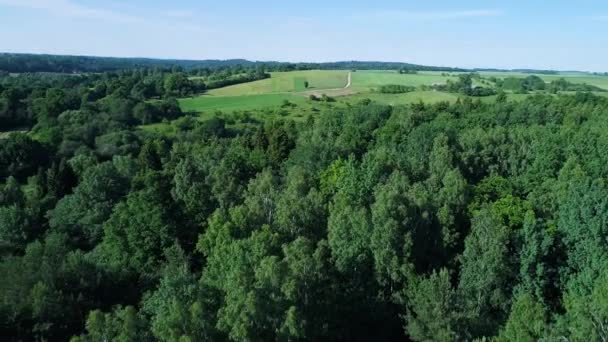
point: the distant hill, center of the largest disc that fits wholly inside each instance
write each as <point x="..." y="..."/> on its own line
<point x="373" y="65"/>
<point x="524" y="71"/>
<point x="22" y="63"/>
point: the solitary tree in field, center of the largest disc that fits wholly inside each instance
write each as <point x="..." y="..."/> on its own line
<point x="306" y="84"/>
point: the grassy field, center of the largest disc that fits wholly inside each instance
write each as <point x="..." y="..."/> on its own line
<point x="269" y="96"/>
<point x="598" y="81"/>
<point x="290" y="86"/>
<point x="401" y="99"/>
<point x="206" y="103"/>
<point x="286" y="94"/>
<point x="287" y="82"/>
<point x="367" y="80"/>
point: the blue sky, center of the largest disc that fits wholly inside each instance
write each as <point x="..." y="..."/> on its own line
<point x="552" y="34"/>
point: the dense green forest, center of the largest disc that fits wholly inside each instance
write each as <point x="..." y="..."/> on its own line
<point x="21" y="63"/>
<point x="444" y="222"/>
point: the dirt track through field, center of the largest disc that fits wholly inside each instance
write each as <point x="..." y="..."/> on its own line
<point x="350" y="76"/>
<point x="333" y="92"/>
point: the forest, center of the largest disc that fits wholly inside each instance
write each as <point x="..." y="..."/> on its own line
<point x="21" y="63"/>
<point x="452" y="221"/>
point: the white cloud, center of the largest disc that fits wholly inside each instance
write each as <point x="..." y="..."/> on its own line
<point x="70" y="9"/>
<point x="431" y="15"/>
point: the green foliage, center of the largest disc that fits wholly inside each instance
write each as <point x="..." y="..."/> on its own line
<point x="523" y="85"/>
<point x="181" y="309"/>
<point x="487" y="274"/>
<point x="583" y="211"/>
<point x="431" y="314"/>
<point x="392" y="236"/>
<point x="138" y="231"/>
<point x="449" y="221"/>
<point x="587" y="314"/>
<point x="122" y="324"/>
<point x="178" y="84"/>
<point x="20" y="156"/>
<point x="527" y="321"/>
<point x="349" y="233"/>
<point x="82" y="214"/>
<point x="395" y="89"/>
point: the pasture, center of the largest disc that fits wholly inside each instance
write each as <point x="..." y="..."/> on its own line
<point x="367" y="80"/>
<point x="291" y="86"/>
<point x="296" y="87"/>
<point x="287" y="82"/>
<point x="206" y="103"/>
<point x="573" y="77"/>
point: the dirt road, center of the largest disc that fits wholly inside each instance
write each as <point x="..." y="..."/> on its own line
<point x="333" y="92"/>
<point x="350" y="76"/>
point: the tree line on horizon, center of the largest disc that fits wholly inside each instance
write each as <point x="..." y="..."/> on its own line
<point x="32" y="63"/>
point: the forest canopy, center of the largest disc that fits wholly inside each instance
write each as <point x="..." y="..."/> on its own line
<point x="424" y="222"/>
<point x="22" y="63"/>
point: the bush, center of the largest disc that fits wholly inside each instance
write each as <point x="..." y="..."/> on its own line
<point x="396" y="89"/>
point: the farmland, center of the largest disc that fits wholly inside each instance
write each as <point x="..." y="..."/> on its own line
<point x="237" y="102"/>
<point x="286" y="82"/>
<point x="291" y="87"/>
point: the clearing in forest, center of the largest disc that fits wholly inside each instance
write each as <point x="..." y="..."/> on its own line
<point x="287" y="82"/>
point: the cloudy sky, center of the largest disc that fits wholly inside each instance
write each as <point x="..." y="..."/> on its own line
<point x="556" y="34"/>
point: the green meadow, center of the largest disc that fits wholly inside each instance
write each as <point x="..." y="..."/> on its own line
<point x="205" y="103"/>
<point x="291" y="86"/>
<point x="574" y="77"/>
<point x="401" y="99"/>
<point x="287" y="93"/>
<point x="287" y="82"/>
<point x="363" y="81"/>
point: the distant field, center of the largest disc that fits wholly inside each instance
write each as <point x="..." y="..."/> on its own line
<point x="285" y="82"/>
<point x="407" y="98"/>
<point x="366" y="80"/>
<point x="291" y="86"/>
<point x="231" y="103"/>
<point x="598" y="81"/>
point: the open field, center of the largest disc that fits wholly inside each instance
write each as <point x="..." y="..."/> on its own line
<point x="401" y="99"/>
<point x="206" y="103"/>
<point x="272" y="93"/>
<point x="595" y="80"/>
<point x="290" y="86"/>
<point x="367" y="80"/>
<point x="286" y="82"/>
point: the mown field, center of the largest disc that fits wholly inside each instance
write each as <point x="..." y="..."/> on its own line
<point x="287" y="82"/>
<point x="290" y="86"/>
<point x="368" y="80"/>
<point x="210" y="102"/>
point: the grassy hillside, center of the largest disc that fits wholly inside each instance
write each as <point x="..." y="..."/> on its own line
<point x="272" y="93"/>
<point x="230" y="103"/>
<point x="400" y="99"/>
<point x="595" y="80"/>
<point x="366" y="80"/>
<point x="285" y="82"/>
